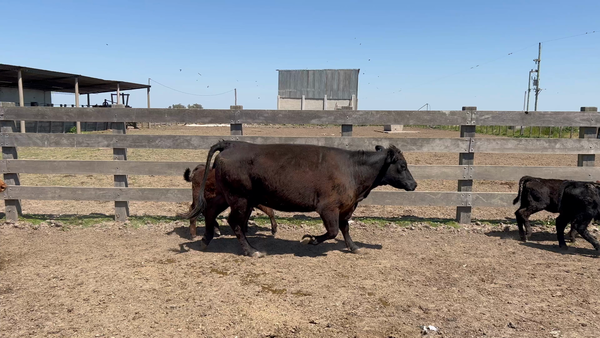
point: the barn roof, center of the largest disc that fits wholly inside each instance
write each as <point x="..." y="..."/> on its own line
<point x="48" y="80"/>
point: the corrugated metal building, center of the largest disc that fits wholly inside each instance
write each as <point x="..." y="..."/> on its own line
<point x="321" y="89"/>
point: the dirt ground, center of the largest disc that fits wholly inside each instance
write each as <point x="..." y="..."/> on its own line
<point x="118" y="280"/>
<point x="114" y="281"/>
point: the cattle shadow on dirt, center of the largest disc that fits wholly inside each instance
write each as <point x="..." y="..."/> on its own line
<point x="572" y="250"/>
<point x="184" y="231"/>
<point x="228" y="243"/>
<point x="545" y="236"/>
<point x="538" y="236"/>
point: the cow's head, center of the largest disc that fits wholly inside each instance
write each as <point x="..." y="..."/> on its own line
<point x="397" y="175"/>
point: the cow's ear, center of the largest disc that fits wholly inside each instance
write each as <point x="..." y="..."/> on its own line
<point x="392" y="156"/>
<point x="395" y="148"/>
<point x="379" y="148"/>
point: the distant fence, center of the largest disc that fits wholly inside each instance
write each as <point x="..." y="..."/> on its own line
<point x="466" y="146"/>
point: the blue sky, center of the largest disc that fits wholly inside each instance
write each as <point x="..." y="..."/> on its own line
<point x="409" y="53"/>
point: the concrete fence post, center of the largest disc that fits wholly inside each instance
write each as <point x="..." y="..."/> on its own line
<point x="347" y="128"/>
<point x="120" y="154"/>
<point x="235" y="126"/>
<point x="587" y="160"/>
<point x="463" y="213"/>
<point x="12" y="207"/>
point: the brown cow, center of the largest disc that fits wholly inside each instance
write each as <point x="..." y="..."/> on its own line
<point x="304" y="178"/>
<point x="216" y="202"/>
<point x="3" y="186"/>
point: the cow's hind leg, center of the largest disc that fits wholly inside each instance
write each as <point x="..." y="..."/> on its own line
<point x="572" y="234"/>
<point x="331" y="222"/>
<point x="238" y="221"/>
<point x="269" y="212"/>
<point x="192" y="223"/>
<point x="561" y="224"/>
<point x="581" y="225"/>
<point x="210" y="228"/>
<point x="522" y="215"/>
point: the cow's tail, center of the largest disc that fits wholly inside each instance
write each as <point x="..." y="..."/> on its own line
<point x="561" y="190"/>
<point x="522" y="182"/>
<point x="186" y="175"/>
<point x="201" y="205"/>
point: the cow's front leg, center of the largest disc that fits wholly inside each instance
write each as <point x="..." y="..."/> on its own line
<point x="331" y="222"/>
<point x="345" y="228"/>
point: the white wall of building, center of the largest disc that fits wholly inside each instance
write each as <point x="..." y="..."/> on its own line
<point x="311" y="104"/>
<point x="29" y="95"/>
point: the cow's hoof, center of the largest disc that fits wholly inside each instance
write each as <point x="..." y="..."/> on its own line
<point x="203" y="245"/>
<point x="358" y="251"/>
<point x="308" y="239"/>
<point x="563" y="247"/>
<point x="217" y="232"/>
<point x="256" y="254"/>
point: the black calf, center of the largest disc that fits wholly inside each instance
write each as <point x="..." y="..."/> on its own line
<point x="536" y="194"/>
<point x="579" y="205"/>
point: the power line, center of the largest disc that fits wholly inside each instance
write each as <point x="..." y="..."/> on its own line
<point x="571" y="36"/>
<point x="177" y="90"/>
<point x="502" y="57"/>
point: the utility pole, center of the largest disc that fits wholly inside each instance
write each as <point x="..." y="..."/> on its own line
<point x="536" y="82"/>
<point x="528" y="90"/>
<point x="535" y="79"/>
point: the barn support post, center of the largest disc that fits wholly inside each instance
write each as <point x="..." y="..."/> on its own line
<point x="77" y="123"/>
<point x="21" y="97"/>
<point x="120" y="154"/>
<point x="325" y="102"/>
<point x="587" y="160"/>
<point x="12" y="207"/>
<point x="303" y="102"/>
<point x="235" y="127"/>
<point x="463" y="213"/>
<point x="148" y="94"/>
<point x="278" y="102"/>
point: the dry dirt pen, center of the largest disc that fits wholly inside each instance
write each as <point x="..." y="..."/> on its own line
<point x="86" y="276"/>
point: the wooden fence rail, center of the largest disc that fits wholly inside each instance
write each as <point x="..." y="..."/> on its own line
<point x="417" y="198"/>
<point x="337" y="117"/>
<point x="466" y="146"/>
<point x="420" y="172"/>
<point x="457" y="145"/>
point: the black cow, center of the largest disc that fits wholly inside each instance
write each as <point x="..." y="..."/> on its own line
<point x="579" y="205"/>
<point x="302" y="178"/>
<point x="215" y="201"/>
<point x="536" y="194"/>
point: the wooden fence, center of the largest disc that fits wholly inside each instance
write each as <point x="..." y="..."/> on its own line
<point x="587" y="119"/>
